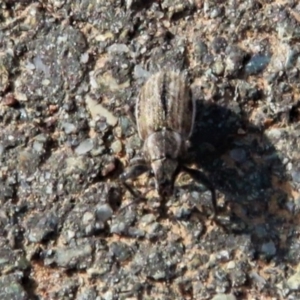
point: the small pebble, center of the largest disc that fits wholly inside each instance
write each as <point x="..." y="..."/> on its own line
<point x="224" y="297"/>
<point x="104" y="212"/>
<point x="257" y="64"/>
<point x="84" y="147"/>
<point x="116" y="146"/>
<point x="238" y="154"/>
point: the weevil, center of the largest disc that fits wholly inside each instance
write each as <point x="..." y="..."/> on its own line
<point x="165" y="116"/>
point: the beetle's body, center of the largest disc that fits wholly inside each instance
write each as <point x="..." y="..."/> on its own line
<point x="165" y="103"/>
<point x="165" y="113"/>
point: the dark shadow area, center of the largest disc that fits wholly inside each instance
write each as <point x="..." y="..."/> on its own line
<point x="245" y="167"/>
<point x="30" y="286"/>
<point x="140" y="5"/>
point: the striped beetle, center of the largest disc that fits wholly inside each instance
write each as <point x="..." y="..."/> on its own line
<point x="165" y="115"/>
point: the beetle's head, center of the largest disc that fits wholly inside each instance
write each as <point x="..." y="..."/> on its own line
<point x="165" y="172"/>
<point x="162" y="150"/>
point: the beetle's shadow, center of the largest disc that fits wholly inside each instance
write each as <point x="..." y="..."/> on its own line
<point x="245" y="167"/>
<point x="231" y="151"/>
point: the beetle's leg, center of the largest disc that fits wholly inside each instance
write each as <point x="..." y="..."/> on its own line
<point x="201" y="177"/>
<point x="134" y="171"/>
<point x="138" y="198"/>
<point x="131" y="173"/>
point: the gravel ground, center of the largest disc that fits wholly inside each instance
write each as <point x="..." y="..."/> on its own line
<point x="70" y="71"/>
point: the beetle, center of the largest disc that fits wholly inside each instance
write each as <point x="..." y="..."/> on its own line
<point x="165" y="115"/>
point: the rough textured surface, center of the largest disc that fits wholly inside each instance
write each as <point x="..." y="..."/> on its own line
<point x="69" y="75"/>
